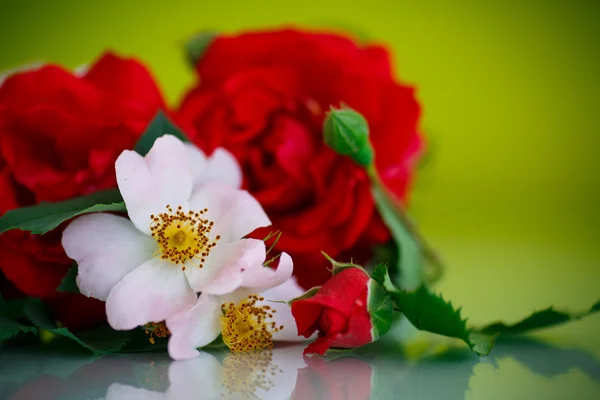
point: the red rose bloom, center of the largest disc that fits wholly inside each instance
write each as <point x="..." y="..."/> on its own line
<point x="339" y="311"/>
<point x="60" y="135"/>
<point x="263" y="96"/>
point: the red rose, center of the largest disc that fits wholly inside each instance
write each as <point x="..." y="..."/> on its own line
<point x="263" y="96"/>
<point x="341" y="311"/>
<point x="60" y="135"/>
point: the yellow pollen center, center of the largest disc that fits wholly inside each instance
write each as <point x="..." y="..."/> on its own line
<point x="246" y="326"/>
<point x="183" y="236"/>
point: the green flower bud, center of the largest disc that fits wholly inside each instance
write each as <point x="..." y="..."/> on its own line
<point x="347" y="132"/>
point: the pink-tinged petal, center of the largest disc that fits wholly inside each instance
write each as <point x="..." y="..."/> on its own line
<point x="106" y="247"/>
<point x="153" y="292"/>
<point x="235" y="212"/>
<point x="118" y="391"/>
<point x="195" y="327"/>
<point x="222" y="166"/>
<point x="284" y="292"/>
<point x="148" y="184"/>
<point x="225" y="266"/>
<point x="261" y="278"/>
<point x="200" y="378"/>
<point x="197" y="163"/>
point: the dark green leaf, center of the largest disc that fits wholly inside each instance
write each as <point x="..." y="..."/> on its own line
<point x="430" y="312"/>
<point x="197" y="46"/>
<point x="44" y="217"/>
<point x="10" y="328"/>
<point x="538" y="320"/>
<point x="159" y="126"/>
<point x="69" y="284"/>
<point x="99" y="341"/>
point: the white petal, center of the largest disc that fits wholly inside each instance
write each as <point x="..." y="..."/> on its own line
<point x="262" y="278"/>
<point x="153" y="292"/>
<point x="222" y="166"/>
<point x="118" y="391"/>
<point x="235" y="212"/>
<point x="200" y="378"/>
<point x="284" y="292"/>
<point x="148" y="184"/>
<point x="225" y="266"/>
<point x="197" y="162"/>
<point x="195" y="327"/>
<point x="106" y="247"/>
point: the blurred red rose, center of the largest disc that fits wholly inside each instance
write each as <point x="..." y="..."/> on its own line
<point x="60" y="135"/>
<point x="263" y="96"/>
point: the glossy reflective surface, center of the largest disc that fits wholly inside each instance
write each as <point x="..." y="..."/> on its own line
<point x="519" y="369"/>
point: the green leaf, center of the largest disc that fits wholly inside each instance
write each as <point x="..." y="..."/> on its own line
<point x="430" y="312"/>
<point x="69" y="284"/>
<point x="44" y="217"/>
<point x="10" y="328"/>
<point x="100" y="341"/>
<point x="538" y="320"/>
<point x="381" y="309"/>
<point x="410" y="260"/>
<point x="197" y="46"/>
<point x="159" y="126"/>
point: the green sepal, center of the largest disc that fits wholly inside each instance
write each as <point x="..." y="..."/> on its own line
<point x="381" y="309"/>
<point x="45" y="217"/>
<point x="69" y="282"/>
<point x="197" y="45"/>
<point x="381" y="275"/>
<point x="159" y="126"/>
<point x="307" y="295"/>
<point x="337" y="267"/>
<point x="347" y="133"/>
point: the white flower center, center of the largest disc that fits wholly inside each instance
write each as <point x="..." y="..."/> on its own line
<point x="183" y="236"/>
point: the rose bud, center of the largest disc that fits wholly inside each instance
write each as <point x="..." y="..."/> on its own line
<point x="347" y="133"/>
<point x="349" y="310"/>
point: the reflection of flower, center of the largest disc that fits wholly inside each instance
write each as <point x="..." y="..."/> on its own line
<point x="184" y="236"/>
<point x="346" y="378"/>
<point x="266" y="374"/>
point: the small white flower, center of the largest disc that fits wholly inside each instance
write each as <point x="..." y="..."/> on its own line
<point x="239" y="316"/>
<point x="185" y="235"/>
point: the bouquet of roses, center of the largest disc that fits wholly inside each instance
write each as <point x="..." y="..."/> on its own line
<point x="268" y="206"/>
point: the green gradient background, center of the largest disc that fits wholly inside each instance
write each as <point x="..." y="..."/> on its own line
<point x="511" y="109"/>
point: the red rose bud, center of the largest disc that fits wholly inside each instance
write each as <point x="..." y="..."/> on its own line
<point x="349" y="310"/>
<point x="347" y="132"/>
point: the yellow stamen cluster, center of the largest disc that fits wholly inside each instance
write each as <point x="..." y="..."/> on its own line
<point x="246" y="373"/>
<point x="183" y="236"/>
<point x="158" y="329"/>
<point x="246" y="326"/>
